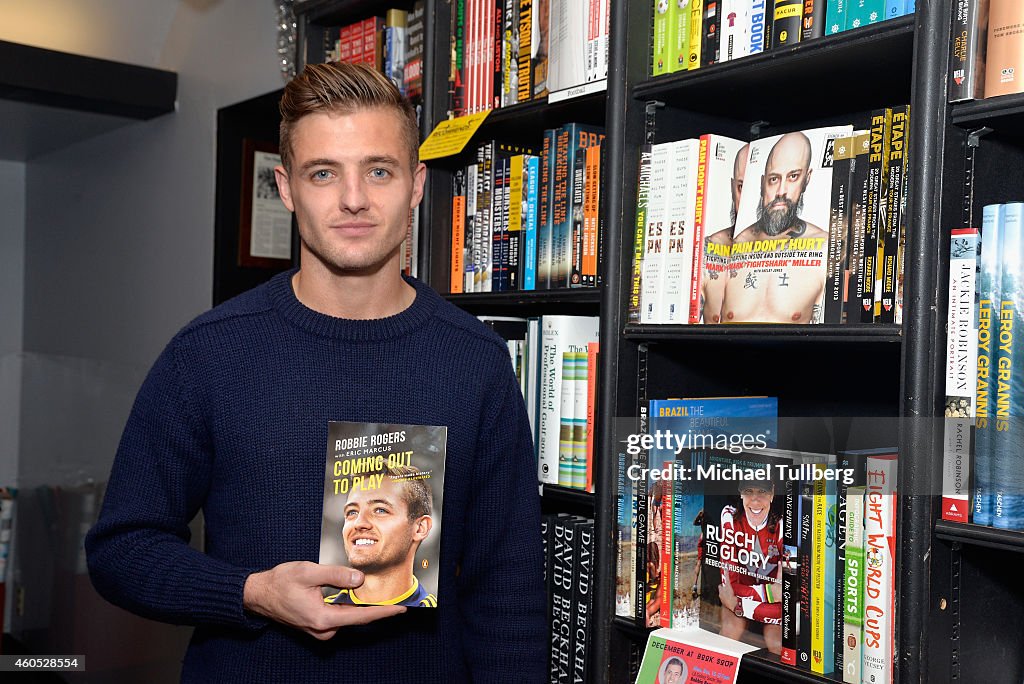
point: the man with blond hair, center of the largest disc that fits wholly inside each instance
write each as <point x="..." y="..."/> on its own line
<point x="233" y="417"/>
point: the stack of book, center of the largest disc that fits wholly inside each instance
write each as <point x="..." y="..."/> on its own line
<point x="505" y="52"/>
<point x="803" y="227"/>
<point x="689" y="34"/>
<point x="528" y="221"/>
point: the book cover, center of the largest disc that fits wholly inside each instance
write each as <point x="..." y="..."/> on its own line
<point x="1008" y="438"/>
<point x="591" y="214"/>
<point x="961" y="373"/>
<point x="516" y="222"/>
<point x="458" y="253"/>
<point x="777" y="262"/>
<point x="679" y="35"/>
<point x="711" y="33"/>
<point x="660" y="55"/>
<point x="412" y="72"/>
<point x="624" y="560"/>
<point x="571" y="142"/>
<point x="539" y="38"/>
<point x="742" y="550"/>
<point x="967" y="50"/>
<point x="528" y="221"/>
<point x="544" y="206"/>
<point x="864" y="12"/>
<point x="583" y="600"/>
<point x="696" y="34"/>
<point x="720" y="161"/>
<point x="383" y="501"/>
<point x="988" y="295"/>
<point x="880" y="560"/>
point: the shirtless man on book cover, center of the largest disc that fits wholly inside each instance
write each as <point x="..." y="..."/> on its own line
<point x="776" y="269"/>
<point x="714" y="282"/>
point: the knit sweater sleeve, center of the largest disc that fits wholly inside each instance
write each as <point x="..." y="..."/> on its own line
<point x="501" y="585"/>
<point x="138" y="552"/>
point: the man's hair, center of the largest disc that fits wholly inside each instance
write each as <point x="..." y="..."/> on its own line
<point x="674" y="661"/>
<point x="415" y="489"/>
<point x="342" y="88"/>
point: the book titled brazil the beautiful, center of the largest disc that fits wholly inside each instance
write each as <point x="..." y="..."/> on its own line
<point x="383" y="489"/>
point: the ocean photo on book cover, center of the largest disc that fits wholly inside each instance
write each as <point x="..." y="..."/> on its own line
<point x="383" y="490"/>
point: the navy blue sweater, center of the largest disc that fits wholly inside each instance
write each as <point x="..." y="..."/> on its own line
<point x="233" y="419"/>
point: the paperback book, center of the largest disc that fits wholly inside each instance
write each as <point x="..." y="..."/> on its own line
<point x="383" y="489"/>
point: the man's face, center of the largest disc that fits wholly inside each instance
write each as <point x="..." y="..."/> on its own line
<point x="377" y="531"/>
<point x="739" y="171"/>
<point x="785" y="177"/>
<point x="351" y="188"/>
<point x="757" y="503"/>
<point x="674" y="674"/>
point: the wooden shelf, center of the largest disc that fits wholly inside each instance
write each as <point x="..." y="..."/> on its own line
<point x="51" y="99"/>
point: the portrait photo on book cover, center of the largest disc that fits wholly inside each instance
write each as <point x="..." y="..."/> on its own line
<point x="383" y="498"/>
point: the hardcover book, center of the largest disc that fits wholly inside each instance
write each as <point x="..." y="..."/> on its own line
<point x="383" y="499"/>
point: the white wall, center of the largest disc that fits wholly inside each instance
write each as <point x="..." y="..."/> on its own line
<point x="117" y="238"/>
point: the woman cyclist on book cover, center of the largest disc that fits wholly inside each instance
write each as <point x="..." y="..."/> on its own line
<point x="753" y="593"/>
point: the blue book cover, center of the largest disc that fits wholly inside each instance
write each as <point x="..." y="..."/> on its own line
<point x="863" y="12"/>
<point x="988" y="294"/>
<point x="835" y="17"/>
<point x="683" y="431"/>
<point x="1008" y="438"/>
<point x="531" y="173"/>
<point x="895" y="8"/>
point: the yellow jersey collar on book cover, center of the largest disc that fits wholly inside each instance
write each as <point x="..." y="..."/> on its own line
<point x="389" y="602"/>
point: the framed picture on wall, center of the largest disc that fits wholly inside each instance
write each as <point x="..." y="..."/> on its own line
<point x="265" y="230"/>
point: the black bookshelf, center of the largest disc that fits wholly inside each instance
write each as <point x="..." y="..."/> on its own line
<point x="748" y="332"/>
<point x="1006" y="540"/>
<point x="584" y="301"/>
<point x="1004" y="114"/>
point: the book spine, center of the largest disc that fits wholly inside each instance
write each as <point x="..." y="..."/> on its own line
<point x="544" y="207"/>
<point x="895" y="8"/>
<point x="880" y="581"/>
<point x="643" y="190"/>
<point x="864" y="12"/>
<point x="412" y="74"/>
<point x="624" y="607"/>
<point x="711" y="32"/>
<point x="583" y="600"/>
<point x="759" y="12"/>
<point x="961" y="373"/>
<point x="858" y="225"/>
<point x="813" y="20"/>
<point x="835" y="17"/>
<point x="509" y="64"/>
<point x="561" y="598"/>
<point x="675" y="305"/>
<point x="659" y="45"/>
<point x="786" y="23"/>
<point x="875" y="214"/>
<point x="679" y="35"/>
<point x="576" y="219"/>
<point x="499" y="231"/>
<point x="1007" y="442"/>
<point x="890" y="230"/>
<point x="988" y="295"/>
<point x="458" y="264"/>
<point x="561" y="198"/>
<point x="790" y="572"/>
<point x="967" y="50"/>
<point x="514" y="210"/>
<point x="641" y="508"/>
<point x="853" y="585"/>
<point x="696" y="33"/>
<point x="593" y="351"/>
<point x="531" y="173"/>
<point x="831" y="559"/>
<point x="699" y="218"/>
<point x="803" y="653"/>
<point x="485" y="214"/>
<point x="539" y="52"/>
<point x="653" y="276"/>
<point x="524" y="77"/>
<point x="818" y="576"/>
<point x="472" y="247"/>
<point x="579" y="420"/>
<point x="852" y="472"/>
<point x="591" y="199"/>
<point x="838" y="230"/>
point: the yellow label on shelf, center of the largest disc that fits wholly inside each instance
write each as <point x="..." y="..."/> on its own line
<point x="450" y="137"/>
